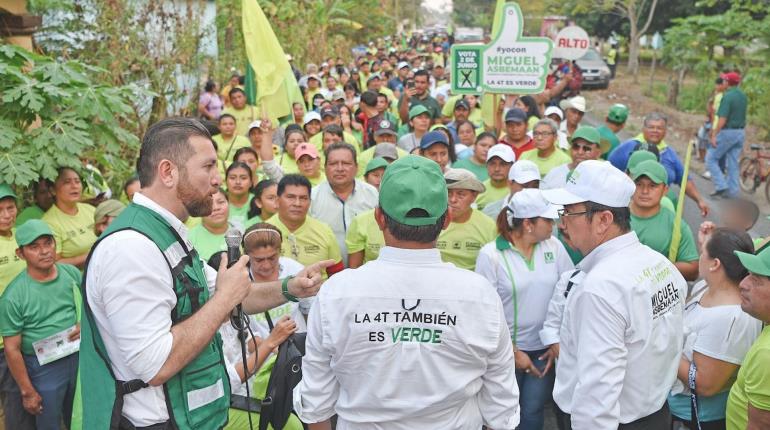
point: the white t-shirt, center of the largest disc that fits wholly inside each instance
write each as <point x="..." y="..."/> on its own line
<point x="533" y="281"/>
<point x="556" y="178"/>
<point x="722" y="332"/>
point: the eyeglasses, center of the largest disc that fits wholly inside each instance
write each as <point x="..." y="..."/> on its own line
<point x="563" y="213"/>
<point x="542" y="134"/>
<point x="582" y="148"/>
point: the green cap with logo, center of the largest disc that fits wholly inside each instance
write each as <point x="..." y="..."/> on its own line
<point x="417" y="110"/>
<point x="758" y="264"/>
<point x="651" y="169"/>
<point x="410" y="183"/>
<point x="31" y="230"/>
<point x="618" y="113"/>
<point x="375" y="164"/>
<point x="6" y="191"/>
<point x="591" y="135"/>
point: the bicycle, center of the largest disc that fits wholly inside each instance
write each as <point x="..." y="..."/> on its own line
<point x="755" y="169"/>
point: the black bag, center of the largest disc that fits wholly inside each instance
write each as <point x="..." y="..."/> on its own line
<point x="286" y="374"/>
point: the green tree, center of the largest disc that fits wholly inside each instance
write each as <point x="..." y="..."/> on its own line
<point x="56" y="113"/>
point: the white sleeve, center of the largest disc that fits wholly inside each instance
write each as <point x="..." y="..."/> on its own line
<point x="316" y="394"/>
<point x="132" y="300"/>
<point x="499" y="394"/>
<point x="728" y="336"/>
<point x="601" y="363"/>
<point x="486" y="266"/>
<point x="272" y="169"/>
<point x="563" y="261"/>
<point x="549" y="334"/>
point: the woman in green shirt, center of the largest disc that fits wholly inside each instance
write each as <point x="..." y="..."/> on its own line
<point x="208" y="237"/>
<point x="240" y="179"/>
<point x="477" y="163"/>
<point x="265" y="202"/>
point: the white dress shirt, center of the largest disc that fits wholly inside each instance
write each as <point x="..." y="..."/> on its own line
<point x="131" y="294"/>
<point x="621" y="336"/>
<point x="447" y="364"/>
<point x="328" y="208"/>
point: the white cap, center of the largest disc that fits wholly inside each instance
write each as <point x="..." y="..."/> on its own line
<point x="553" y="110"/>
<point x="594" y="181"/>
<point x="530" y="203"/>
<point x="524" y="171"/>
<point x="255" y="124"/>
<point x="310" y="116"/>
<point x="401" y="65"/>
<point x="503" y="151"/>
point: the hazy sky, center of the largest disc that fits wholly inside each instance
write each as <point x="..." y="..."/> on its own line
<point x="437" y="4"/>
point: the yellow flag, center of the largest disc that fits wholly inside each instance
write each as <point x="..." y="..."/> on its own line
<point x="489" y="101"/>
<point x="276" y="86"/>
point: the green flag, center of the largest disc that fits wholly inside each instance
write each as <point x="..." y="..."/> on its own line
<point x="270" y="82"/>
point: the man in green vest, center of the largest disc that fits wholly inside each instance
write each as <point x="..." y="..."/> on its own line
<point x="150" y="353"/>
<point x="612" y="59"/>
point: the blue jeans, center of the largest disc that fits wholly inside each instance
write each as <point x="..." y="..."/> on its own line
<point x="534" y="392"/>
<point x="730" y="147"/>
<point x="16" y="417"/>
<point x="55" y="382"/>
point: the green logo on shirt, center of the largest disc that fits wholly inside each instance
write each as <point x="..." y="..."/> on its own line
<point x="548" y="257"/>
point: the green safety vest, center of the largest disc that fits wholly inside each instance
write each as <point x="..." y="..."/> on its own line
<point x="198" y="397"/>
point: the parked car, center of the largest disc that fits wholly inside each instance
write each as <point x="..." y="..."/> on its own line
<point x="596" y="73"/>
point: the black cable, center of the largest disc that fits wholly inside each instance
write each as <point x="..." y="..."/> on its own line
<point x="240" y="323"/>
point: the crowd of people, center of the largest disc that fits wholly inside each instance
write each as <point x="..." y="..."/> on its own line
<point x="536" y="259"/>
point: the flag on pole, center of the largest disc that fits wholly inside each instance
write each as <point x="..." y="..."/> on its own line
<point x="270" y="83"/>
<point x="676" y="233"/>
<point x="489" y="101"/>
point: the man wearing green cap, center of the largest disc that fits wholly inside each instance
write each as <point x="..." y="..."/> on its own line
<point x="748" y="406"/>
<point x="407" y="341"/>
<point x="10" y="266"/>
<point x="374" y="171"/>
<point x="585" y="144"/>
<point x="419" y="123"/>
<point x="613" y="123"/>
<point x="39" y="323"/>
<point x="653" y="225"/>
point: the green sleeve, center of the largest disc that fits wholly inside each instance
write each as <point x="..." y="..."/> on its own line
<point x="72" y="272"/>
<point x="687" y="250"/>
<point x="448" y="109"/>
<point x="334" y="248"/>
<point x="354" y="239"/>
<point x="11" y="314"/>
<point x="757" y="384"/>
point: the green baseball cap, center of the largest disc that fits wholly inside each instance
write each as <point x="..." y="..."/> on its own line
<point x="31" y="230"/>
<point x="651" y="169"/>
<point x="413" y="182"/>
<point x="639" y="156"/>
<point x="6" y="191"/>
<point x="375" y="164"/>
<point x="591" y="135"/>
<point x="417" y="110"/>
<point x="759" y="263"/>
<point x="618" y="113"/>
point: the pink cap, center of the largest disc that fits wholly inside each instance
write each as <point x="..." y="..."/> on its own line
<point x="306" y="149"/>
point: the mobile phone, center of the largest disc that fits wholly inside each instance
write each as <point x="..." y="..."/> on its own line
<point x="410" y="84"/>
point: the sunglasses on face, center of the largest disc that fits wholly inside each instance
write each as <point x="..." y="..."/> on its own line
<point x="582" y="148"/>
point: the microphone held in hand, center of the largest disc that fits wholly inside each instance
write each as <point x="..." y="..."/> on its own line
<point x="233" y="242"/>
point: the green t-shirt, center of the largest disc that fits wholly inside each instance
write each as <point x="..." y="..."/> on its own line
<point x="460" y="243"/>
<point x="226" y="150"/>
<point x="10" y="264"/>
<point x="655" y="232"/>
<point x="429" y="102"/>
<point x="36" y="309"/>
<point x="733" y="107"/>
<point x="608" y="135"/>
<point x="206" y="242"/>
<point x="491" y="194"/>
<point x="365" y="235"/>
<point x="74" y="234"/>
<point x="312" y="242"/>
<point x="545" y="165"/>
<point x="752" y="384"/>
<point x="474" y="116"/>
<point x="239" y="215"/>
<point x="30" y="212"/>
<point x="480" y="170"/>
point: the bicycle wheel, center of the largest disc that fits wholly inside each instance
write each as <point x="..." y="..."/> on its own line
<point x="750" y="178"/>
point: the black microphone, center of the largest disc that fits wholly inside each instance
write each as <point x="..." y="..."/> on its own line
<point x="233" y="241"/>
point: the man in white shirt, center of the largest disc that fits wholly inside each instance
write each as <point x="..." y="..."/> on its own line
<point x="136" y="328"/>
<point x="407" y="341"/>
<point x="622" y="329"/>
<point x="341" y="197"/>
<point x="523" y="174"/>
